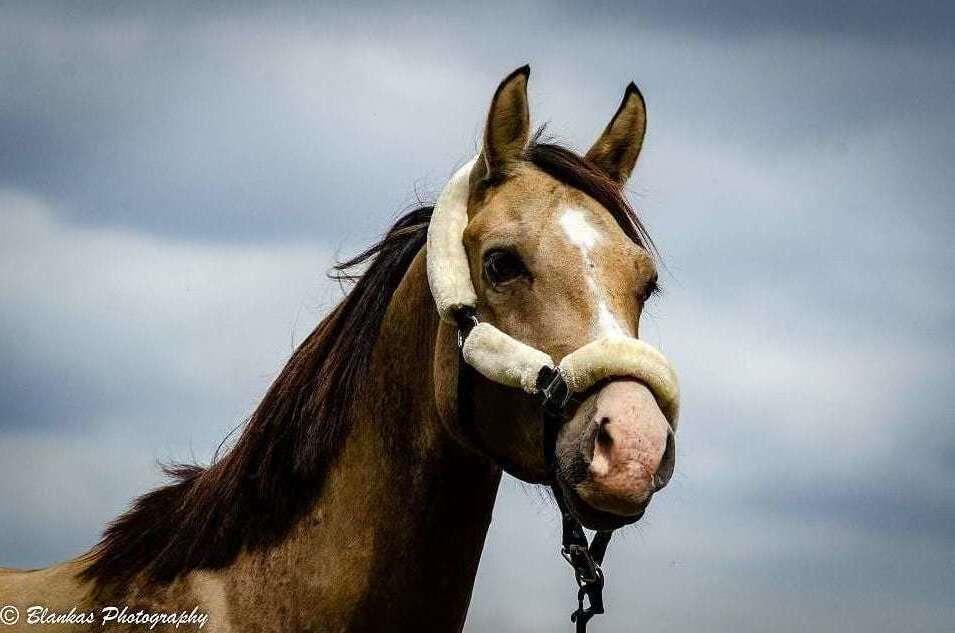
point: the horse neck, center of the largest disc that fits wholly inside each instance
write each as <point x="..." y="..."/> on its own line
<point x="394" y="540"/>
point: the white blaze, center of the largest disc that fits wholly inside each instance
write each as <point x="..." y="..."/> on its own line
<point x="585" y="237"/>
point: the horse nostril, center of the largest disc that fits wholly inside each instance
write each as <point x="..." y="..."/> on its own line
<point x="601" y="449"/>
<point x="604" y="438"/>
<point x="667" y="464"/>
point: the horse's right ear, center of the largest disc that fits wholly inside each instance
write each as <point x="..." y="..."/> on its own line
<point x="508" y="124"/>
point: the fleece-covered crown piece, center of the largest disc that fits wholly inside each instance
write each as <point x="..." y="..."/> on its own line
<point x="448" y="272"/>
<point x="505" y="360"/>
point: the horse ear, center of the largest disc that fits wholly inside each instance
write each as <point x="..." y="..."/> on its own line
<point x="616" y="151"/>
<point x="508" y="123"/>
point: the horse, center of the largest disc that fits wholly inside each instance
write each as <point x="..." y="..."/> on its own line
<point x="359" y="493"/>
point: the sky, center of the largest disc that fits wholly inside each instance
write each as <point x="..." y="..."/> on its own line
<point x="176" y="178"/>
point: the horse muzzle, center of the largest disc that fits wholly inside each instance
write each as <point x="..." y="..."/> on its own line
<point x="613" y="454"/>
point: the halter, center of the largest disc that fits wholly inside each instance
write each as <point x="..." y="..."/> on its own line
<point x="507" y="361"/>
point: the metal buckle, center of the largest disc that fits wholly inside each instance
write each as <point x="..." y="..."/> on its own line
<point x="553" y="390"/>
<point x="466" y="319"/>
<point x="586" y="569"/>
<point x="590" y="591"/>
<point x="594" y="593"/>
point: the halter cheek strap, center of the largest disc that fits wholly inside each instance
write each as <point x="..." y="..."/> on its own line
<point x="507" y="361"/>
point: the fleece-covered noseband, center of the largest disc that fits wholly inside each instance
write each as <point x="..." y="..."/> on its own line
<point x="507" y="361"/>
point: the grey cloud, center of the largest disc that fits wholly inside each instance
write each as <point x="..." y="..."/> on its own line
<point x="90" y="318"/>
<point x="245" y="126"/>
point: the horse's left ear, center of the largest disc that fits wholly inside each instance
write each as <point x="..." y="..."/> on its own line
<point x="616" y="151"/>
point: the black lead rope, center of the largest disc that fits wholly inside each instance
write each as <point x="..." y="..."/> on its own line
<point x="586" y="558"/>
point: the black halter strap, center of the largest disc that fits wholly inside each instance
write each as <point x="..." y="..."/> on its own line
<point x="555" y="398"/>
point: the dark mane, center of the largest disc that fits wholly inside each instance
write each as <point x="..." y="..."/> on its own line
<point x="254" y="494"/>
<point x="263" y="485"/>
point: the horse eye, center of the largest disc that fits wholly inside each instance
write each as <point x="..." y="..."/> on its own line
<point x="502" y="266"/>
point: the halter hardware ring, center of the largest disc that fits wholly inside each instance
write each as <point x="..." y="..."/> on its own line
<point x="466" y="319"/>
<point x="585" y="567"/>
<point x="554" y="393"/>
